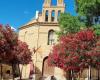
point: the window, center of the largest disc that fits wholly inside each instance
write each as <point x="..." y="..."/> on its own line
<point x="51" y="38"/>
<point x="53" y="16"/>
<point x="46" y="15"/>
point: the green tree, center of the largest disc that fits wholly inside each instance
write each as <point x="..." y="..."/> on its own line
<point x="97" y="29"/>
<point x="69" y="24"/>
<point x="88" y="9"/>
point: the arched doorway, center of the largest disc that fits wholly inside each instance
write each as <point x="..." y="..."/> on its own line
<point x="46" y="69"/>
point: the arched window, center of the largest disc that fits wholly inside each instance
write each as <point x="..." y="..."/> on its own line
<point x="59" y="12"/>
<point x="46" y="15"/>
<point x="51" y="37"/>
<point x="54" y="2"/>
<point x="53" y="16"/>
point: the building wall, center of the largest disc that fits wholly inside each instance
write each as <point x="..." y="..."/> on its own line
<point x="35" y="34"/>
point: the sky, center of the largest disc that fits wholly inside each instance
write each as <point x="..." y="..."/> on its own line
<point x="18" y="12"/>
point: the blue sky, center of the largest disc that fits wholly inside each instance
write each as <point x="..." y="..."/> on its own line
<point x="19" y="12"/>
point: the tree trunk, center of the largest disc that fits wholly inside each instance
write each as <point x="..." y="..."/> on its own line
<point x="89" y="73"/>
<point x="20" y="75"/>
<point x="98" y="74"/>
<point x="72" y="75"/>
<point x="79" y="75"/>
<point x="68" y="76"/>
<point x="1" y="72"/>
<point x="21" y="71"/>
<point x="13" y="71"/>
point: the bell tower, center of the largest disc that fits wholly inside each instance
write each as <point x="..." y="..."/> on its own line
<point x="50" y="13"/>
<point x="60" y="2"/>
<point x="47" y="3"/>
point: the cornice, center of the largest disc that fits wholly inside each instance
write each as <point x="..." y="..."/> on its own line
<point x="40" y="24"/>
<point x="53" y="6"/>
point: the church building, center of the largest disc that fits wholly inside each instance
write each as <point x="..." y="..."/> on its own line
<point x="39" y="33"/>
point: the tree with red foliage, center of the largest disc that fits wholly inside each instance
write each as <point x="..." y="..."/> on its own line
<point x="74" y="52"/>
<point x="21" y="55"/>
<point x="12" y="50"/>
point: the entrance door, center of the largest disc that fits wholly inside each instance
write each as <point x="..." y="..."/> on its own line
<point x="46" y="69"/>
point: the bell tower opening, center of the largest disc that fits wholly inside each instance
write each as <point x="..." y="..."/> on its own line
<point x="52" y="9"/>
<point x="53" y="2"/>
<point x="59" y="12"/>
<point x="53" y="16"/>
<point x="46" y="16"/>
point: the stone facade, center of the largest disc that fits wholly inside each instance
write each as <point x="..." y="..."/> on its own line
<point x="40" y="34"/>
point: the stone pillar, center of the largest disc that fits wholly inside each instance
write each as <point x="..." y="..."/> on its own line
<point x="56" y="15"/>
<point x="49" y="16"/>
<point x="43" y="15"/>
